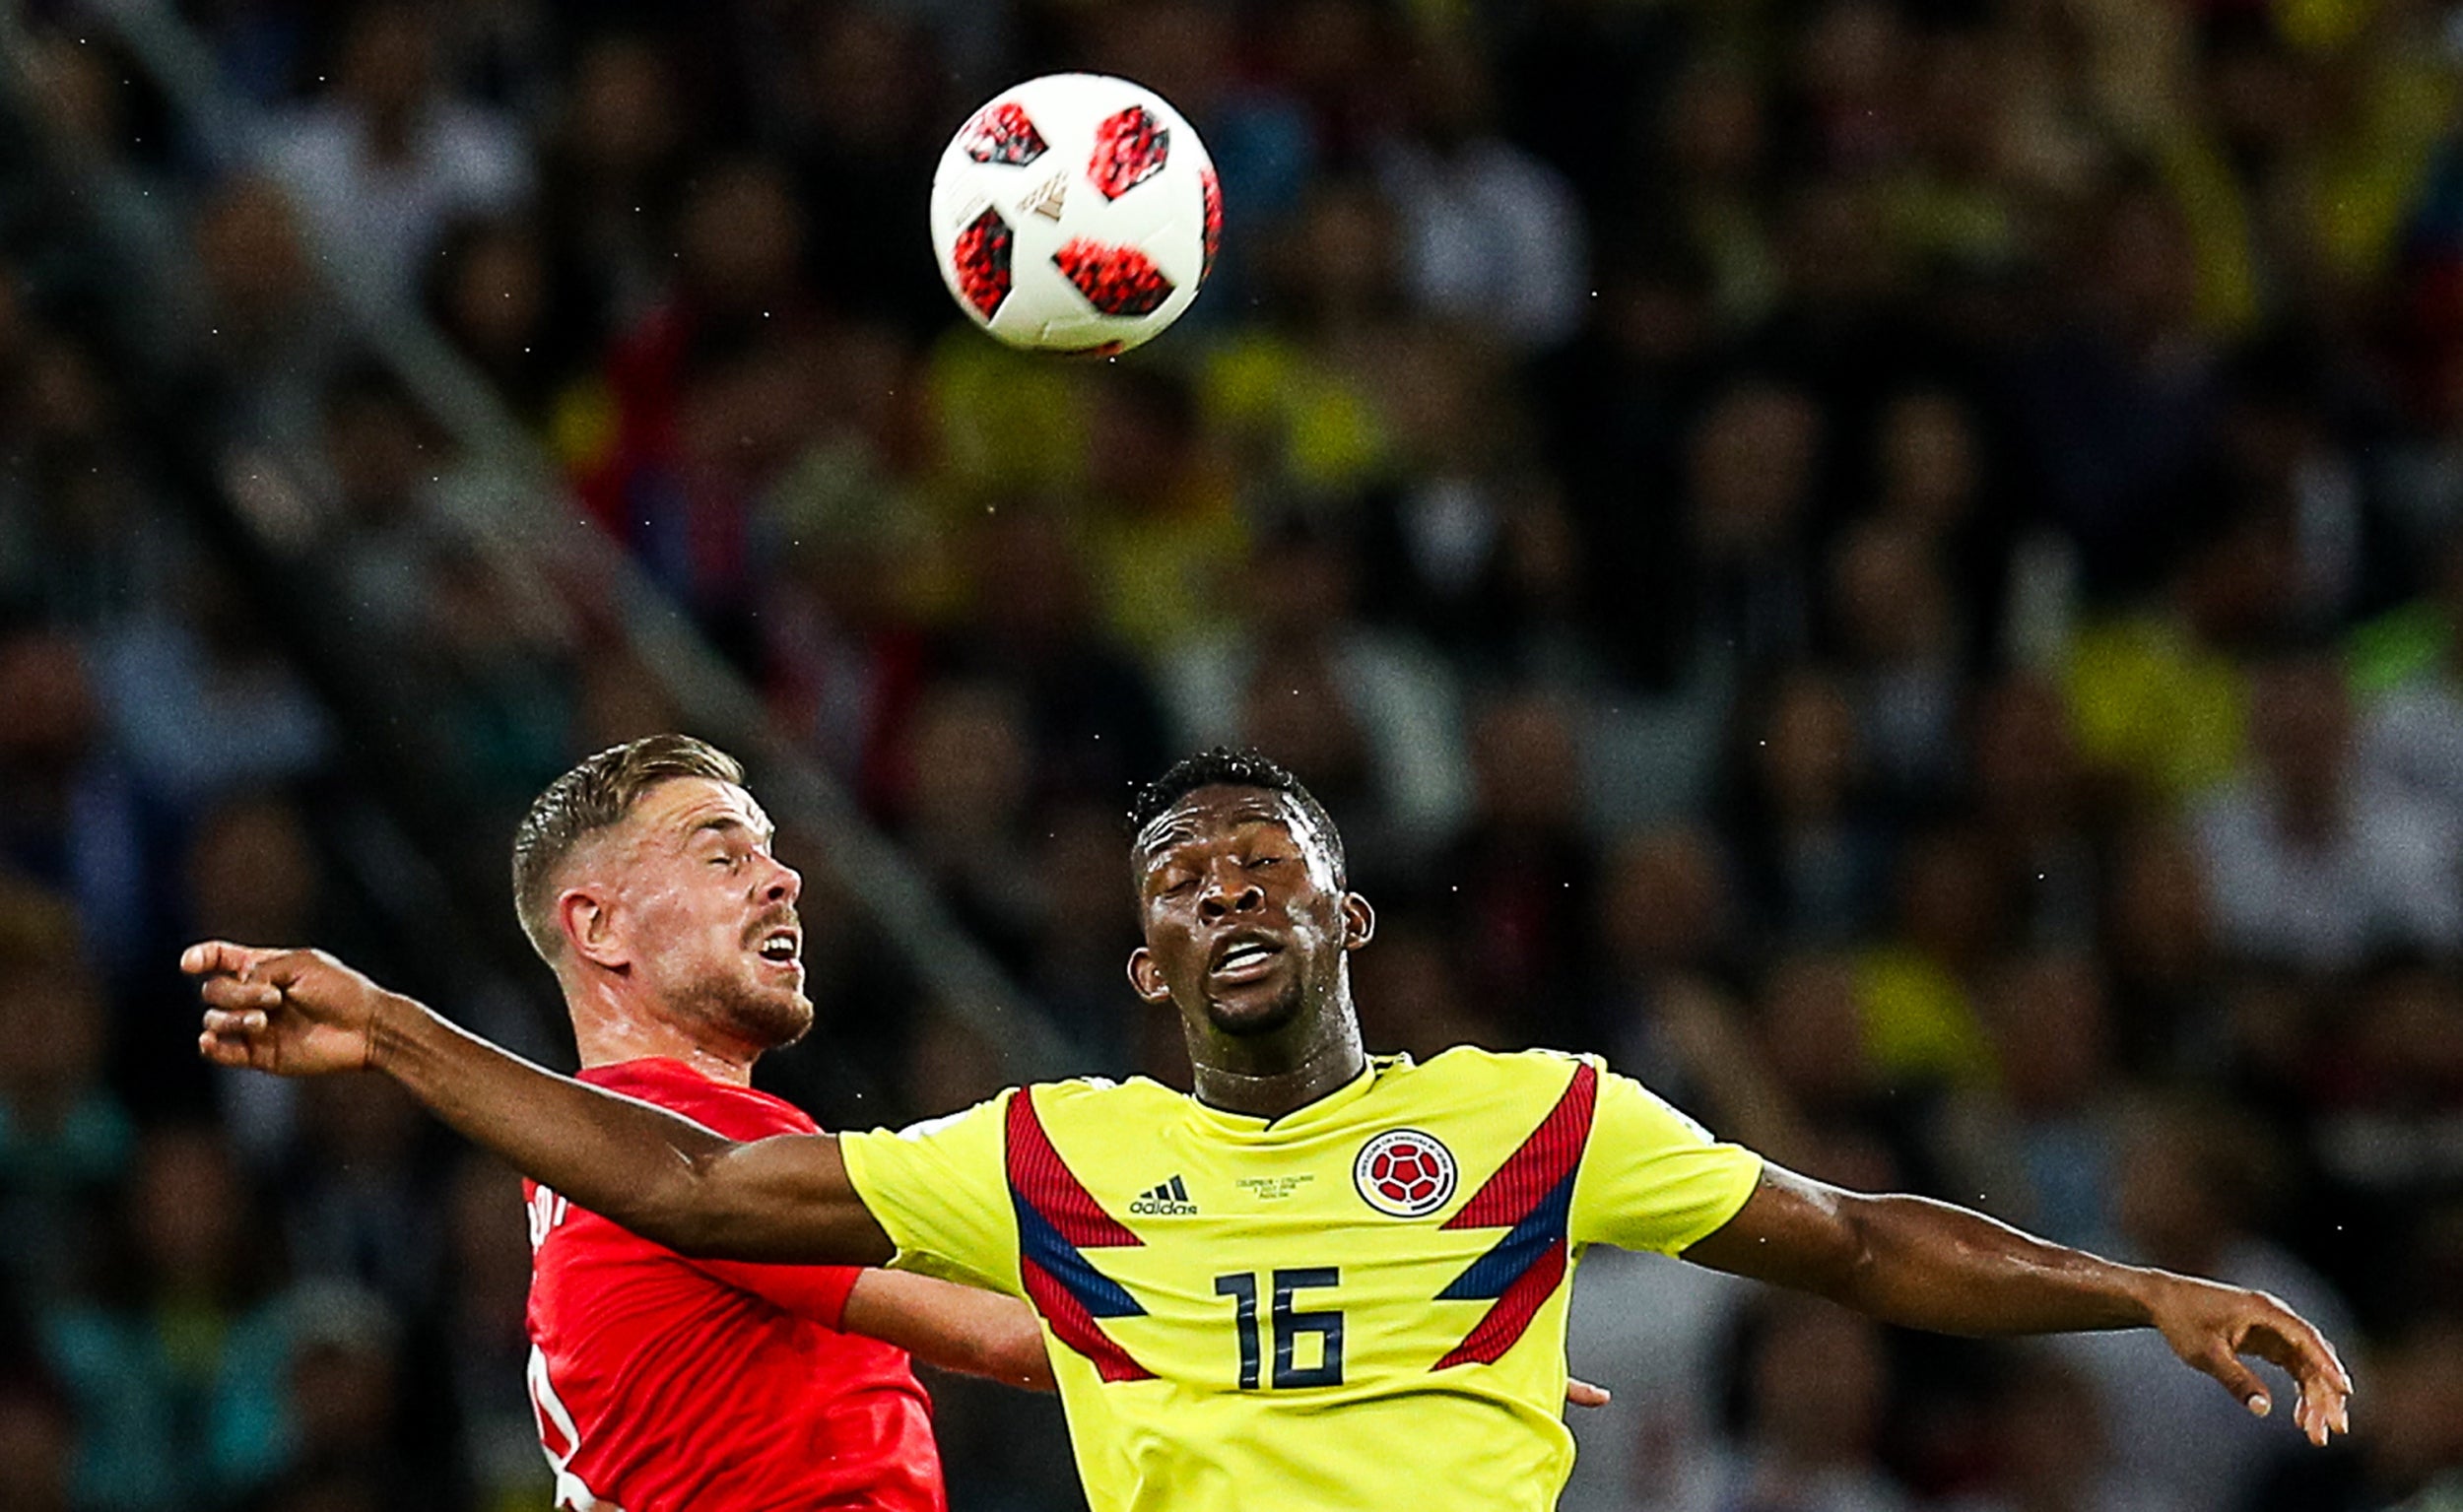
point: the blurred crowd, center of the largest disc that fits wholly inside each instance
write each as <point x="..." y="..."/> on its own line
<point x="1895" y="568"/>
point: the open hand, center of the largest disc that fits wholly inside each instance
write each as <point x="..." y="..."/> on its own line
<point x="292" y="1012"/>
<point x="2211" y="1327"/>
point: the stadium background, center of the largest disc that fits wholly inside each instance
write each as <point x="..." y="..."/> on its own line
<point x="1891" y="567"/>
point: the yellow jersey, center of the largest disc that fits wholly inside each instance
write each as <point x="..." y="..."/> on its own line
<point x="1359" y="1304"/>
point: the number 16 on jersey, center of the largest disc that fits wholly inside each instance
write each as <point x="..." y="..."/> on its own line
<point x="1290" y="1326"/>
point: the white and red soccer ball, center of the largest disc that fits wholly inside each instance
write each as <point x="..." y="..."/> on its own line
<point x="1075" y="213"/>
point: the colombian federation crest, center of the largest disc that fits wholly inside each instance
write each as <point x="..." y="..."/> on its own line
<point x="1405" y="1173"/>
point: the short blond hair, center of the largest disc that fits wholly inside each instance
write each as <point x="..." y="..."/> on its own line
<point x="594" y="795"/>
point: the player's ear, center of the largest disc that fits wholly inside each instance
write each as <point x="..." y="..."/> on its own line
<point x="1146" y="977"/>
<point x="589" y="927"/>
<point x="1359" y="921"/>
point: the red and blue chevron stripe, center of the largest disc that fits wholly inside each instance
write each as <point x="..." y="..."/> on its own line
<point x="1531" y="1197"/>
<point x="1059" y="1221"/>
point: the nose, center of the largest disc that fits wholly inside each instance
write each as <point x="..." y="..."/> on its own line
<point x="784" y="885"/>
<point x="1227" y="896"/>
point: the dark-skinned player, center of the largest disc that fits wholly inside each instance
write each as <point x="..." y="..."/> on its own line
<point x="1326" y="1279"/>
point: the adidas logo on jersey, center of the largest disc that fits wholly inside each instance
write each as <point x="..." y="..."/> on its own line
<point x="1170" y="1198"/>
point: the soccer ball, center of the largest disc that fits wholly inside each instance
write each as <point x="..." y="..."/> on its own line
<point x="1075" y="213"/>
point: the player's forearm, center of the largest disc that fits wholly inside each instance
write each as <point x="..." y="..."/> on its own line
<point x="955" y="1328"/>
<point x="618" y="1157"/>
<point x="1930" y="1265"/>
<point x="664" y="1177"/>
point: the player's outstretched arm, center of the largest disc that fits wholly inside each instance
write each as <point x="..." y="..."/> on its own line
<point x="1931" y="1264"/>
<point x="302" y="1012"/>
<point x="953" y="1327"/>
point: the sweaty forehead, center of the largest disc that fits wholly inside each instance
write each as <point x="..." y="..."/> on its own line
<point x="1212" y="811"/>
<point x="683" y="806"/>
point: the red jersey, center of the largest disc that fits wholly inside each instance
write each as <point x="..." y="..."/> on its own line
<point x="662" y="1384"/>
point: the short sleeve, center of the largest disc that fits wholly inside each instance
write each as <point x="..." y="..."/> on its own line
<point x="814" y="1292"/>
<point x="1652" y="1178"/>
<point x="940" y="1190"/>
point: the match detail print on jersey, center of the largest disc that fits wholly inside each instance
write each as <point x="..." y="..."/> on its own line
<point x="1531" y="1196"/>
<point x="1059" y="1221"/>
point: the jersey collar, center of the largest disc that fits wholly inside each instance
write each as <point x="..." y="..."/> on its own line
<point x="1247" y="1128"/>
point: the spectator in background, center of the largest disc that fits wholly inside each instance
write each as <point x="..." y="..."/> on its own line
<point x="1844" y="1121"/>
<point x="699" y="407"/>
<point x="2047" y="1446"/>
<point x="2158" y="939"/>
<point x="1751" y="473"/>
<point x="1664" y="920"/>
<point x="70" y="817"/>
<point x="2031" y="798"/>
<point x="1931" y="459"/>
<point x="2038" y="1146"/>
<point x="1516" y="874"/>
<point x="273" y="335"/>
<point x="491" y="291"/>
<point x="387" y="159"/>
<point x="1897" y="632"/>
<point x="1373" y="717"/>
<point x="2315" y="862"/>
<point x="363" y="1213"/>
<point x="1814" y="1385"/>
<point x="200" y="701"/>
<point x="1094" y="719"/>
<point x="346" y="1412"/>
<point x="1085" y="931"/>
<point x="381" y="542"/>
<point x="1810" y="859"/>
<point x="868" y="125"/>
<point x="1192" y="52"/>
<point x="612" y="171"/>
<point x="1491" y="235"/>
<point x="968" y="779"/>
<point x="2160" y="695"/>
<point x="175" y="1348"/>
<point x="65" y="1133"/>
<point x="1423" y="1004"/>
<point x="1159" y="522"/>
<point x="1919" y="985"/>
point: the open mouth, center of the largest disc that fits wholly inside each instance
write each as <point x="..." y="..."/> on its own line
<point x="1242" y="959"/>
<point x="780" y="946"/>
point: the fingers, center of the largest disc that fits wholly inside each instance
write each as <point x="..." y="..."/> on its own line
<point x="2243" y="1382"/>
<point x="221" y="958"/>
<point x="232" y="995"/>
<point x="226" y="1050"/>
<point x="2283" y="1338"/>
<point x="234" y="1039"/>
<point x="238" y="1010"/>
<point x="2292" y="1341"/>
<point x="1580" y="1393"/>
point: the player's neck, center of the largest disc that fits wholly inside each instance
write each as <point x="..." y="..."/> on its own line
<point x="1272" y="1079"/>
<point x="606" y="1033"/>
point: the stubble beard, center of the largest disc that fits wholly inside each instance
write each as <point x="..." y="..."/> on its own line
<point x="765" y="1018"/>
